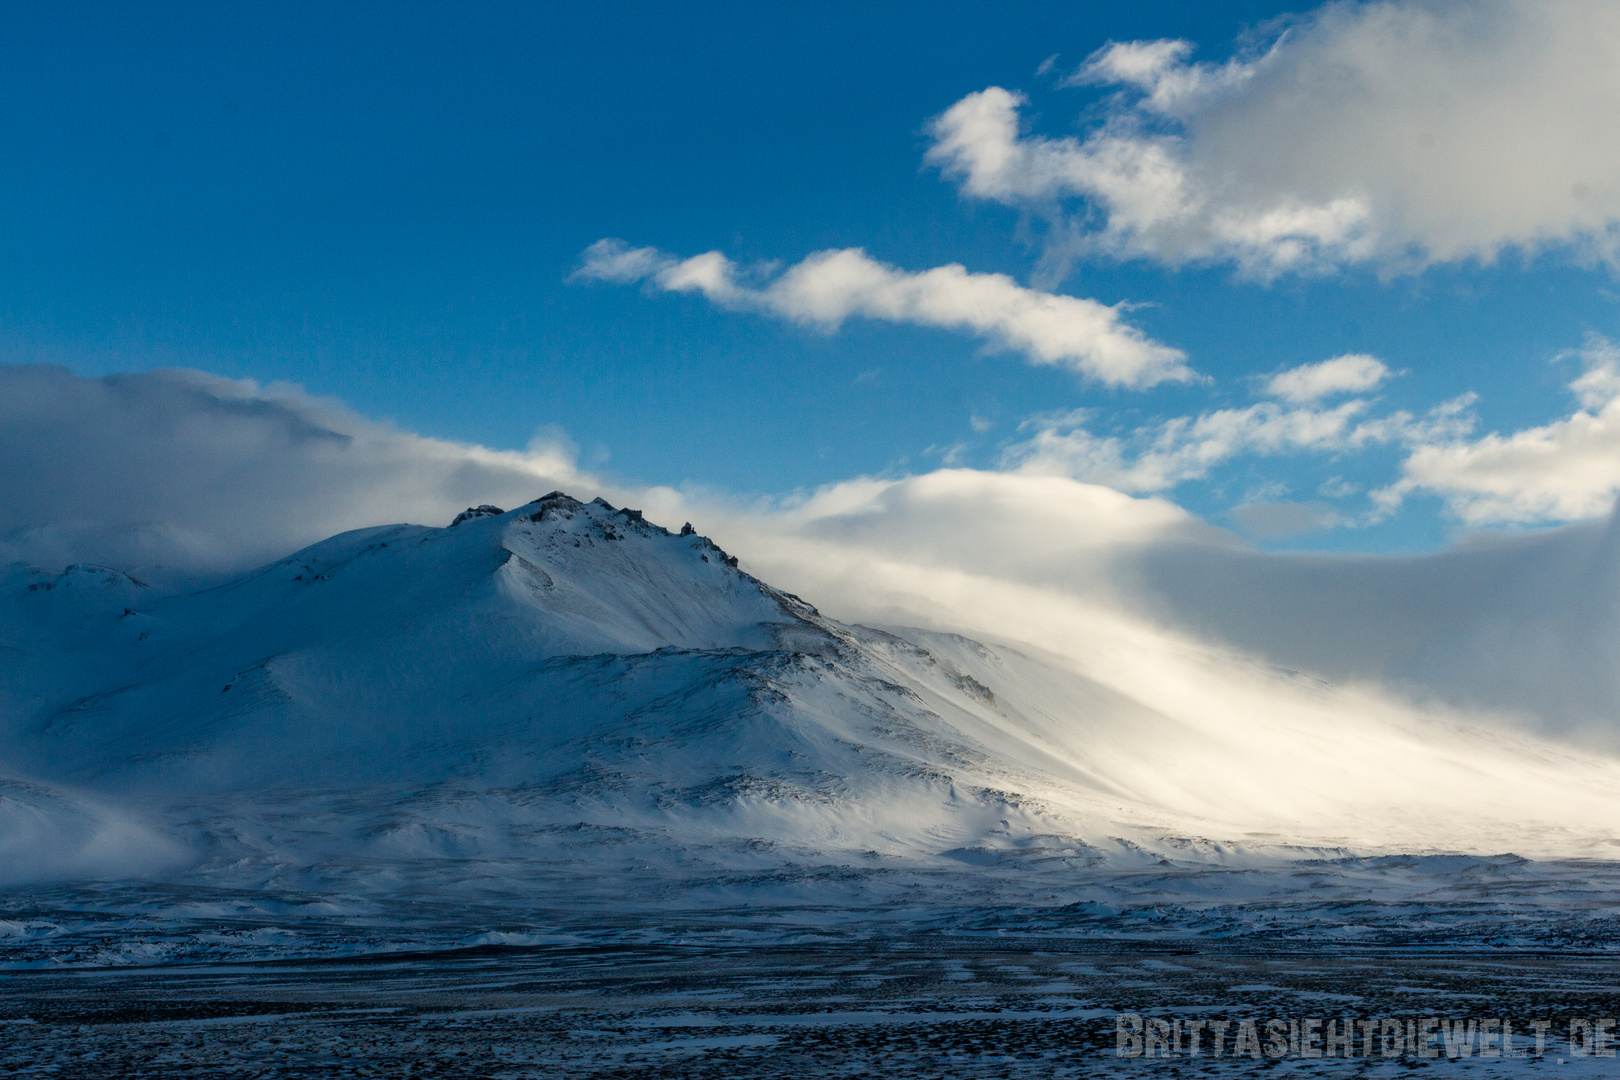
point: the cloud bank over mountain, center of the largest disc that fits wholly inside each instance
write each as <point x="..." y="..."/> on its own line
<point x="192" y="470"/>
<point x="205" y="475"/>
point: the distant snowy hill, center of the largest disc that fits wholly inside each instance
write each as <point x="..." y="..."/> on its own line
<point x="567" y="697"/>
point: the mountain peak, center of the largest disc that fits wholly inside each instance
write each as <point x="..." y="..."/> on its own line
<point x="482" y="510"/>
<point x="558" y="505"/>
<point x="610" y="575"/>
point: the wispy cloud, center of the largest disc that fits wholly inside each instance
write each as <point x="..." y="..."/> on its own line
<point x="1353" y="373"/>
<point x="1184" y="448"/>
<point x="828" y="287"/>
<point x="1159" y="457"/>
<point x="1562" y="471"/>
<point x="1398" y="134"/>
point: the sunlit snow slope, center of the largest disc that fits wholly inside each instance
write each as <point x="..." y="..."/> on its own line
<point x="566" y="691"/>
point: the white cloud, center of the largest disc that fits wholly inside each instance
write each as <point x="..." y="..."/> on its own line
<point x="1601" y="382"/>
<point x="1563" y="471"/>
<point x="1159" y="70"/>
<point x="1398" y="134"/>
<point x="829" y="287"/>
<point x="1188" y="447"/>
<point x="619" y="263"/>
<point x="1337" y="487"/>
<point x="1353" y="373"/>
<point x="190" y="469"/>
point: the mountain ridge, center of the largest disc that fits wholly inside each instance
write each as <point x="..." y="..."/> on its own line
<point x="565" y="696"/>
<point x="545" y="648"/>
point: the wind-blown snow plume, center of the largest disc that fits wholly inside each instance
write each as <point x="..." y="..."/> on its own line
<point x="1399" y="134"/>
<point x="1514" y="631"/>
<point x="828" y="287"/>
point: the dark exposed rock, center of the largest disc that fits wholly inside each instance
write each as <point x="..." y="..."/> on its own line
<point x="484" y="510"/>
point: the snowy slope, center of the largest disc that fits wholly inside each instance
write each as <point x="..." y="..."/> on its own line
<point x="565" y="699"/>
<point x="356" y="657"/>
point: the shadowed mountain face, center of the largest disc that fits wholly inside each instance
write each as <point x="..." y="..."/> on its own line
<point x="565" y="701"/>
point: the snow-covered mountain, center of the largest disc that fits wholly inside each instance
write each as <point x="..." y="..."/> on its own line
<point x="566" y="697"/>
<point x="561" y="666"/>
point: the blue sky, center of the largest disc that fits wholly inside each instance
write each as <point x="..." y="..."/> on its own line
<point x="389" y="205"/>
